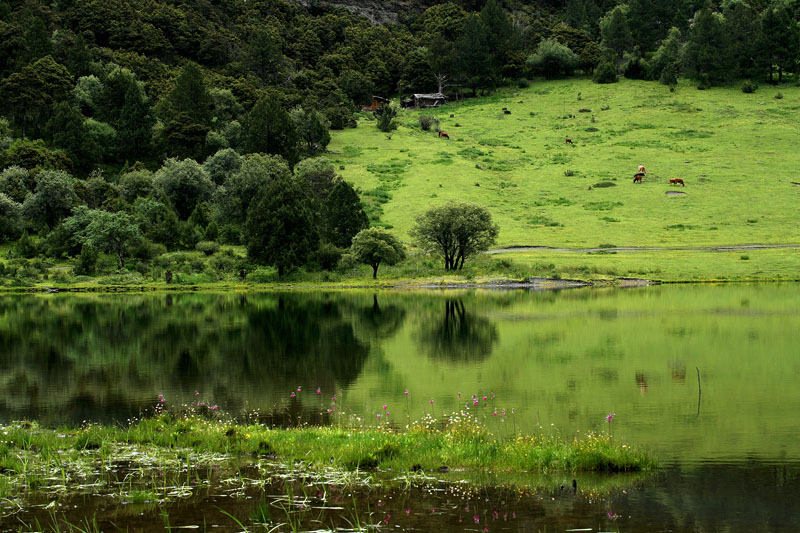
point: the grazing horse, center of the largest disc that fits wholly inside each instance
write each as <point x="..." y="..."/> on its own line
<point x="638" y="177"/>
<point x="444" y="134"/>
<point x="676" y="181"/>
<point x="568" y="140"/>
<point x="642" y="170"/>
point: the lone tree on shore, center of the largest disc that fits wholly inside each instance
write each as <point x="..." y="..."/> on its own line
<point x="373" y="246"/>
<point x="455" y="231"/>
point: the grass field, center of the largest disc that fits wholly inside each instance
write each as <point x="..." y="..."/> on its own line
<point x="736" y="152"/>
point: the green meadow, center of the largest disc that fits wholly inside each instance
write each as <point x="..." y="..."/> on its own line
<point x="736" y="152"/>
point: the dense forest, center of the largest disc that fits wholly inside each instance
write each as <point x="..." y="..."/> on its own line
<point x="129" y="129"/>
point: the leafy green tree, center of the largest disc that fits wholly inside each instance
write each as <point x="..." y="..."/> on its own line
<point x="320" y="175"/>
<point x="269" y="129"/>
<point x="68" y="132"/>
<point x="606" y="72"/>
<point x="34" y="155"/>
<point x="343" y="215"/>
<point x="455" y="231"/>
<point x="53" y="200"/>
<point x="136" y="184"/>
<point x="668" y="53"/>
<point x="184" y="137"/>
<point x="10" y="218"/>
<point x="385" y="118"/>
<point x="312" y="127"/>
<point x="78" y="57"/>
<point x="741" y="23"/>
<point x="650" y="20"/>
<point x="373" y="246"/>
<point x="281" y="228"/>
<point x="222" y="164"/>
<point x="114" y="233"/>
<point x="26" y="247"/>
<point x="16" y="183"/>
<point x="615" y="32"/>
<point x="553" y="59"/>
<point x="87" y="94"/>
<point x="590" y="57"/>
<point x="264" y="55"/>
<point x="157" y="221"/>
<point x="97" y="193"/>
<point x="184" y="184"/>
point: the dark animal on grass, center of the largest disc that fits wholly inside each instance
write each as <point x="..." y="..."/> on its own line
<point x="444" y="134"/>
<point x="568" y="140"/>
<point x="637" y="178"/>
<point x="676" y="181"/>
<point x="506" y="111"/>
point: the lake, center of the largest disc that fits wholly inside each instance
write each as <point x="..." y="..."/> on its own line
<point x="705" y="377"/>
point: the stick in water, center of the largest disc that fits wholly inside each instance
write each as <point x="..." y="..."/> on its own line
<point x="699" y="390"/>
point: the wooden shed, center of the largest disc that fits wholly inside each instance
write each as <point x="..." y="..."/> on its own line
<point x="377" y="103"/>
<point x="429" y="100"/>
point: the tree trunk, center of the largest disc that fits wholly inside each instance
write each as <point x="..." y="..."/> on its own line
<point x="375" y="270"/>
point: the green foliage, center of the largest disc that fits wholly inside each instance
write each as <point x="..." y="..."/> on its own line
<point x="87" y="261"/>
<point x="385" y="118"/>
<point x="281" y="228"/>
<point x="269" y="129"/>
<point x="114" y="233"/>
<point x="667" y="54"/>
<point x="16" y="182"/>
<point x="343" y="215"/>
<point x="209" y="248"/>
<point x="455" y="231"/>
<point x="26" y="247"/>
<point x="553" y="59"/>
<point x="749" y="86"/>
<point x="10" y="218"/>
<point x="373" y="246"/>
<point x="706" y="56"/>
<point x="615" y="31"/>
<point x="320" y="175"/>
<point x="136" y="184"/>
<point x="606" y="72"/>
<point x="184" y="184"/>
<point x="312" y="128"/>
<point x="34" y="156"/>
<point x="53" y="200"/>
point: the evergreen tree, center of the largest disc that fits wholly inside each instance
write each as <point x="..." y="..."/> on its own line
<point x="779" y="42"/>
<point x="134" y="131"/>
<point x="281" y="228"/>
<point x="615" y="32"/>
<point x="741" y="23"/>
<point x="706" y="56"/>
<point x="343" y="215"/>
<point x="667" y="54"/>
<point x="269" y="129"/>
<point x="190" y="96"/>
<point x="473" y="55"/>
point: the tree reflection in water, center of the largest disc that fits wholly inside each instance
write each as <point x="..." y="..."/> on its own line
<point x="458" y="336"/>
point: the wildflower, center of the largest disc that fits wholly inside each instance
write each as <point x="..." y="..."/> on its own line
<point x="610" y="417"/>
<point x="196" y="393"/>
<point x="319" y="391"/>
<point x="299" y="389"/>
<point x="380" y="503"/>
<point x="406" y="393"/>
<point x="379" y="415"/>
<point x="431" y="401"/>
<point x="495" y="413"/>
<point x="408" y="511"/>
<point x="329" y="411"/>
<point x="292" y="395"/>
<point x="477" y="519"/>
<point x="459" y="395"/>
<point x="475" y="402"/>
<point x="160" y="396"/>
<point x="163" y="400"/>
<point x="384" y="407"/>
<point x="485" y="398"/>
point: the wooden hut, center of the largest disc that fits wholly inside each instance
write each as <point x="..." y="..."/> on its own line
<point x="429" y="100"/>
<point x="377" y="103"/>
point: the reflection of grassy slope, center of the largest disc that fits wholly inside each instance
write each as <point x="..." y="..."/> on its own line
<point x="740" y="150"/>
<point x="570" y="358"/>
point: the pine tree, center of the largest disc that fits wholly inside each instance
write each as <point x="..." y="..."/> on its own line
<point x="135" y="125"/>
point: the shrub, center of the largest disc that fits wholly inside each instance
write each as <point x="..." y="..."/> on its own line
<point x="749" y="86"/>
<point x="207" y="247"/>
<point x="87" y="261"/>
<point x="606" y="72"/>
<point x="385" y="117"/>
<point x="779" y="96"/>
<point x="669" y="76"/>
<point x="553" y="59"/>
<point x="522" y="83"/>
<point x="425" y="122"/>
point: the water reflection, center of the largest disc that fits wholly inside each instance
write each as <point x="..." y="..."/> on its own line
<point x="458" y="335"/>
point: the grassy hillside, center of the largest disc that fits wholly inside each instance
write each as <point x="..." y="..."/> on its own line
<point x="736" y="152"/>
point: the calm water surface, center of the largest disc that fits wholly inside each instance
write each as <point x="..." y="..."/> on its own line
<point x="706" y="377"/>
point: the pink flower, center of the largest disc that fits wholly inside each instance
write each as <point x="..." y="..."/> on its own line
<point x="163" y="400"/>
<point x="459" y="395"/>
<point x="477" y="519"/>
<point x="431" y="401"/>
<point x="384" y="407"/>
<point x="299" y="389"/>
<point x="319" y="391"/>
<point x="329" y="411"/>
<point x="408" y="511"/>
<point x="494" y="414"/>
<point x="160" y="396"/>
<point x="379" y="415"/>
<point x="485" y="398"/>
<point x="292" y="395"/>
<point x="196" y="393"/>
<point x="406" y="393"/>
<point x="475" y="402"/>
<point x="610" y="417"/>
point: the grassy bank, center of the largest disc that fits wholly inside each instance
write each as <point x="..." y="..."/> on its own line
<point x="34" y="458"/>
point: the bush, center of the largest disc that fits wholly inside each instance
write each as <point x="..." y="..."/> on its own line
<point x="553" y="59"/>
<point x="779" y="96"/>
<point x="606" y="72"/>
<point x="340" y="117"/>
<point x="207" y="247"/>
<point x="385" y="116"/>
<point x="669" y="76"/>
<point x="522" y="83"/>
<point x="328" y="255"/>
<point x="87" y="261"/>
<point x="26" y="247"/>
<point x="425" y="122"/>
<point x="749" y="86"/>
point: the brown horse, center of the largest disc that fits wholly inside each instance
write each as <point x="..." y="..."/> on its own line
<point x="642" y="169"/>
<point x="568" y="140"/>
<point x="637" y="178"/>
<point x="676" y="181"/>
<point x="444" y="134"/>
